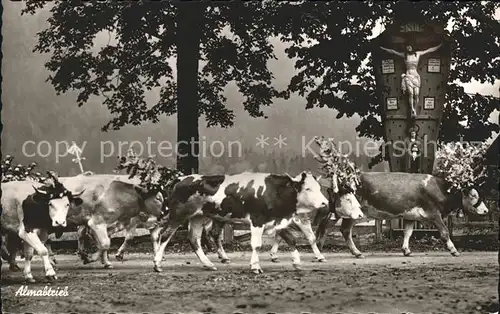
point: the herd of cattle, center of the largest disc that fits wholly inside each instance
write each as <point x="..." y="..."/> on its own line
<point x="102" y="205"/>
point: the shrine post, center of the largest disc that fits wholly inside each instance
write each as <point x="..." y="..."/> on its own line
<point x="411" y="61"/>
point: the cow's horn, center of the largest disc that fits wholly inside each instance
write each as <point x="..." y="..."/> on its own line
<point x="78" y="194"/>
<point x="40" y="191"/>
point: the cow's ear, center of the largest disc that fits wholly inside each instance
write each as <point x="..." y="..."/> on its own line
<point x="77" y="201"/>
<point x="303" y="176"/>
<point x="39" y="198"/>
<point x="297" y="186"/>
<point x="139" y="189"/>
<point x="466" y="191"/>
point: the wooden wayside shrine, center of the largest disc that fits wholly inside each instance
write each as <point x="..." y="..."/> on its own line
<point x="411" y="63"/>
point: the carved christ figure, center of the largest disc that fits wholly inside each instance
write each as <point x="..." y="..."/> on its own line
<point x="410" y="81"/>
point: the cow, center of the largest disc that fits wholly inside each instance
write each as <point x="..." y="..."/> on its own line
<point x="413" y="197"/>
<point x="109" y="204"/>
<point x="266" y="201"/>
<point x="29" y="210"/>
<point x="342" y="203"/>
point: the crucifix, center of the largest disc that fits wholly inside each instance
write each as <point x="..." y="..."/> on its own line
<point x="410" y="81"/>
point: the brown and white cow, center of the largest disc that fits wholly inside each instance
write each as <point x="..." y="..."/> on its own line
<point x="413" y="197"/>
<point x="266" y="201"/>
<point x="109" y="204"/>
<point x="29" y="210"/>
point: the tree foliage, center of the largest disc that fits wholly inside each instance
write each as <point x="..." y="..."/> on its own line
<point x="328" y="41"/>
<point x="138" y="61"/>
<point x="19" y="172"/>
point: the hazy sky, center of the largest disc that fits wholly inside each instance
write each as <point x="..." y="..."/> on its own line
<point x="32" y="111"/>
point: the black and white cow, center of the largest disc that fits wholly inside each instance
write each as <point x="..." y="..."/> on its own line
<point x="413" y="197"/>
<point x="268" y="202"/>
<point x="342" y="203"/>
<point x="30" y="214"/>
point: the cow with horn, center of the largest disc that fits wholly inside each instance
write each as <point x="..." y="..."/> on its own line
<point x="30" y="215"/>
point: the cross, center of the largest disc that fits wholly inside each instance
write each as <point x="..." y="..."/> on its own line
<point x="76" y="151"/>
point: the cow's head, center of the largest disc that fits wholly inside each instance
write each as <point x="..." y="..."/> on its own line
<point x="347" y="204"/>
<point x="472" y="201"/>
<point x="344" y="200"/>
<point x="154" y="201"/>
<point x="58" y="200"/>
<point x="309" y="194"/>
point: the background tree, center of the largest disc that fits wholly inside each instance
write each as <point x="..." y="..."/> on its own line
<point x="213" y="46"/>
<point x="329" y="41"/>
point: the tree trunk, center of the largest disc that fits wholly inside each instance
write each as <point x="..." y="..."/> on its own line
<point x="189" y="20"/>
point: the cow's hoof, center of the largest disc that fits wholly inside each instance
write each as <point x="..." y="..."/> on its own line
<point x="86" y="260"/>
<point x="119" y="257"/>
<point x="257" y="271"/>
<point x="455" y="254"/>
<point x="359" y="255"/>
<point x="206" y="267"/>
<point x="321" y="260"/>
<point x="30" y="280"/>
<point x="297" y="267"/>
<point x="225" y="261"/>
<point x="275" y="260"/>
<point x="157" y="269"/>
<point x="406" y="252"/>
<point x="14" y="267"/>
<point x="51" y="277"/>
<point x="108" y="266"/>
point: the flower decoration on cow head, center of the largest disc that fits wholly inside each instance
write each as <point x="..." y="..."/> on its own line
<point x="343" y="172"/>
<point x="153" y="177"/>
<point x="462" y="165"/>
<point x="52" y="188"/>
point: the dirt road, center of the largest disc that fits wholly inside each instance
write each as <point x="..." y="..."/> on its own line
<point x="381" y="283"/>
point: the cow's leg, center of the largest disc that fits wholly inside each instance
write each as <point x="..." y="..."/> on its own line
<point x="408" y="230"/>
<point x="256" y="243"/>
<point x="216" y="234"/>
<point x="346" y="229"/>
<point x="322" y="229"/>
<point x="274" y="248"/>
<point x="129" y="235"/>
<point x="195" y="229"/>
<point x="445" y="235"/>
<point x="28" y="256"/>
<point x="10" y="247"/>
<point x="306" y="228"/>
<point x="101" y="233"/>
<point x="81" y="231"/>
<point x="169" y="232"/>
<point x="155" y="238"/>
<point x="287" y="235"/>
<point x="52" y="256"/>
<point x="32" y="239"/>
